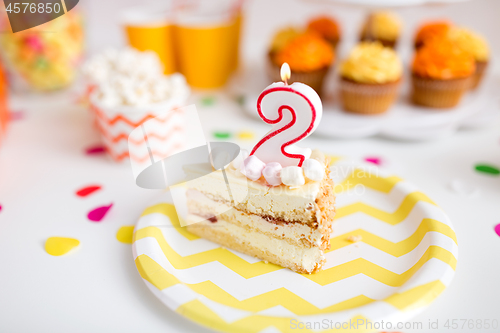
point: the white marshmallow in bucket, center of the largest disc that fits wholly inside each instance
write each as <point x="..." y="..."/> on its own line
<point x="252" y="167"/>
<point x="272" y="173"/>
<point x="292" y="176"/>
<point x="313" y="169"/>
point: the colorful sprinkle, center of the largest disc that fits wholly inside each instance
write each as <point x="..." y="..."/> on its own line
<point x="95" y="150"/>
<point x="374" y="160"/>
<point x="96" y="215"/>
<point x="41" y="63"/>
<point x="208" y="101"/>
<point x="125" y="234"/>
<point x="57" y="246"/>
<point x="488" y="169"/>
<point x="34" y="42"/>
<point x="83" y="192"/>
<point x="497" y="229"/>
<point x="222" y="135"/>
<point x="245" y="135"/>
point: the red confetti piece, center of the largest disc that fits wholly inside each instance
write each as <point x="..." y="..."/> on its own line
<point x="96" y="215"/>
<point x="497" y="229"/>
<point x="83" y="192"/>
<point x="95" y="150"/>
<point x="373" y="160"/>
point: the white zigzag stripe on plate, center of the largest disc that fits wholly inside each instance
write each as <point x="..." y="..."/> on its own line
<point x="394" y="233"/>
<point x="387" y="202"/>
<point x="380" y="258"/>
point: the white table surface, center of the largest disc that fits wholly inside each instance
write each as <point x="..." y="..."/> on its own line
<point x="97" y="287"/>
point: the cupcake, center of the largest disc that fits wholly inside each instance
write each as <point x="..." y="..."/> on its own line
<point x="370" y="78"/>
<point x="282" y="38"/>
<point x="477" y="46"/>
<point x="309" y="56"/>
<point x="327" y="27"/>
<point x="382" y="26"/>
<point x="441" y="73"/>
<point x="431" y="30"/>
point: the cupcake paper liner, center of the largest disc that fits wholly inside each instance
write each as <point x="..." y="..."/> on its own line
<point x="384" y="42"/>
<point x="439" y="93"/>
<point x="366" y="98"/>
<point x="479" y="74"/>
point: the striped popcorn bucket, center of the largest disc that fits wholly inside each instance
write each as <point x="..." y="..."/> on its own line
<point x="116" y="123"/>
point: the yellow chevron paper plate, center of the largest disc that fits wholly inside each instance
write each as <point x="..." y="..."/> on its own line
<point x="406" y="258"/>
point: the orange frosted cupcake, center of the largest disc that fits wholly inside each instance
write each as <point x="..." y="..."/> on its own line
<point x="327" y="27"/>
<point x="383" y="27"/>
<point x="432" y="30"/>
<point x="309" y="57"/>
<point x="441" y="74"/>
<point x="283" y="38"/>
<point x="477" y="46"/>
<point x="370" y="78"/>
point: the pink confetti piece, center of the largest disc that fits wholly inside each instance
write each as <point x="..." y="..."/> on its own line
<point x="16" y="115"/>
<point x="0" y="208"/>
<point x="95" y="150"/>
<point x="374" y="160"/>
<point x="83" y="192"/>
<point x="96" y="215"/>
<point x="497" y="229"/>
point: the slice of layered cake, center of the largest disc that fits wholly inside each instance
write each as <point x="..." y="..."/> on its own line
<point x="281" y="215"/>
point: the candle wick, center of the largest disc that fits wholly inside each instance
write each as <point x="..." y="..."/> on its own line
<point x="286" y="81"/>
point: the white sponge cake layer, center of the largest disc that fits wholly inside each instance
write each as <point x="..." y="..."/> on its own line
<point x="302" y="259"/>
<point x="294" y="233"/>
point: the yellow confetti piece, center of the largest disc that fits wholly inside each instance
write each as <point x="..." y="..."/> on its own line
<point x="246" y="135"/>
<point x="57" y="246"/>
<point x="125" y="234"/>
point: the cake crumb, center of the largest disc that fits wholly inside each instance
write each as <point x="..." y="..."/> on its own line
<point x="266" y="262"/>
<point x="354" y="238"/>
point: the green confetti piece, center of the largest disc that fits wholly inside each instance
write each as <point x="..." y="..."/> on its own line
<point x="240" y="100"/>
<point x="489" y="169"/>
<point x="208" y="101"/>
<point x="222" y="135"/>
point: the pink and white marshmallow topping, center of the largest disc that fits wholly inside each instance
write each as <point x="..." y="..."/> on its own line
<point x="252" y="167"/>
<point x="272" y="173"/>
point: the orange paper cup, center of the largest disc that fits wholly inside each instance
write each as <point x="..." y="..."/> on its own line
<point x="207" y="47"/>
<point x="151" y="28"/>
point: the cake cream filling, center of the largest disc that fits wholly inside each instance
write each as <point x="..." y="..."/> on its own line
<point x="300" y="256"/>
<point x="255" y="197"/>
<point x="294" y="233"/>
